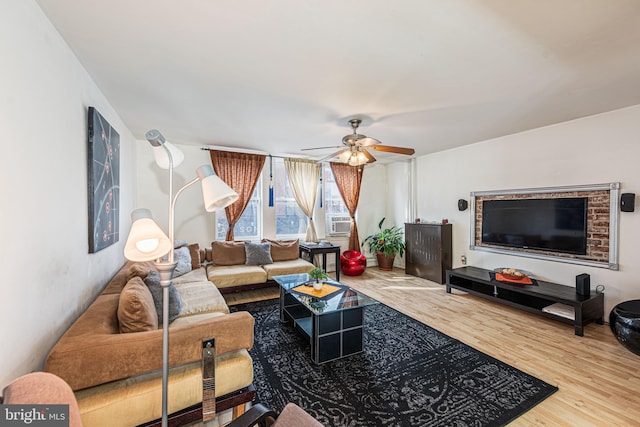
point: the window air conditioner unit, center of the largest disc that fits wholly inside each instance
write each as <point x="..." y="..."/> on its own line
<point x="340" y="224"/>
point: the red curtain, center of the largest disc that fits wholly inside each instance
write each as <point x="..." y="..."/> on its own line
<point x="348" y="179"/>
<point x="241" y="172"/>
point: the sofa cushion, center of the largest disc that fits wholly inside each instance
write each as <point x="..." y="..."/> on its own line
<point x="134" y="401"/>
<point x="196" y="260"/>
<point x="197" y="275"/>
<point x="228" y="253"/>
<point x="136" y="309"/>
<point x="296" y="266"/>
<point x="117" y="282"/>
<point x="284" y="250"/>
<point x="175" y="302"/>
<point x="224" y="276"/>
<point x="195" y="318"/>
<point x="139" y="269"/>
<point x="200" y="297"/>
<point x="258" y="253"/>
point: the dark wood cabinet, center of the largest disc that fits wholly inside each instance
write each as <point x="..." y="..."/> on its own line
<point x="428" y="253"/>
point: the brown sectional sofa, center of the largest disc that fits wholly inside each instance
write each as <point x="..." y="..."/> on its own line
<point x="229" y="271"/>
<point x="116" y="376"/>
<point x="112" y="355"/>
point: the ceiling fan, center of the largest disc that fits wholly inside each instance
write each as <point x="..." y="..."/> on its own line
<point x="355" y="150"/>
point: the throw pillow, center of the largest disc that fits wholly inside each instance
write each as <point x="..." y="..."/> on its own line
<point x="138" y="269"/>
<point x="175" y="301"/>
<point x="284" y="250"/>
<point x="258" y="253"/>
<point x="194" y="252"/>
<point x="228" y="253"/>
<point x="136" y="308"/>
<point x="183" y="257"/>
<point x="180" y="243"/>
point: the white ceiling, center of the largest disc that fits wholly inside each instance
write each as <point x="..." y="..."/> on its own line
<point x="282" y="75"/>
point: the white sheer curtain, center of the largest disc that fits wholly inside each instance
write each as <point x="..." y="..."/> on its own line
<point x="304" y="176"/>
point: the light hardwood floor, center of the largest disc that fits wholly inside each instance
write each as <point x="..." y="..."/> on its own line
<point x="598" y="379"/>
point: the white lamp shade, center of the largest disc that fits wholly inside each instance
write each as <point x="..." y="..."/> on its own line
<point x="344" y="156"/>
<point x="215" y="192"/>
<point x="146" y="241"/>
<point x="353" y="158"/>
<point x="358" y="159"/>
<point x="162" y="158"/>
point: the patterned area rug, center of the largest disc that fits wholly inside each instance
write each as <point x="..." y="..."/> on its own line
<point x="408" y="375"/>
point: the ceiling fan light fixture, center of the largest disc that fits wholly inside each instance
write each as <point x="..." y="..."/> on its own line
<point x="345" y="156"/>
<point x="357" y="159"/>
<point x="357" y="146"/>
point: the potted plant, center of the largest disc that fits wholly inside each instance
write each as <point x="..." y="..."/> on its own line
<point x="386" y="243"/>
<point x="317" y="274"/>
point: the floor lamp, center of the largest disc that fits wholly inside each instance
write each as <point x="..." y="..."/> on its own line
<point x="147" y="242"/>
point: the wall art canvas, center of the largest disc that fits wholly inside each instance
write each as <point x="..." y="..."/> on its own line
<point x="103" y="163"/>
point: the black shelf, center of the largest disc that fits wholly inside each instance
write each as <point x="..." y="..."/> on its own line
<point x="300" y="317"/>
<point x="533" y="299"/>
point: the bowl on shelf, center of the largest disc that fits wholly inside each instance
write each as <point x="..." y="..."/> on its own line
<point x="512" y="273"/>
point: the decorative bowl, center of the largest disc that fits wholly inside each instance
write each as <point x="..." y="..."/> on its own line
<point x="512" y="273"/>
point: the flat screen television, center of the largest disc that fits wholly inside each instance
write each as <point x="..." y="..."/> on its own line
<point x="555" y="225"/>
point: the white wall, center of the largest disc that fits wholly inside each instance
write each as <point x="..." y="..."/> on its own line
<point x="49" y="277"/>
<point x="593" y="150"/>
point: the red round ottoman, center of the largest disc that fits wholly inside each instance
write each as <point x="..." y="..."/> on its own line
<point x="352" y="263"/>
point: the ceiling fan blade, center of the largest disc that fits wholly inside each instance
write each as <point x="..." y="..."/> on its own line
<point x="368" y="141"/>
<point x="320" y="148"/>
<point x="370" y="158"/>
<point x="331" y="156"/>
<point x="390" y="149"/>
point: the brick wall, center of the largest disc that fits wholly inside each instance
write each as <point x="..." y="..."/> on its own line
<point x="598" y="207"/>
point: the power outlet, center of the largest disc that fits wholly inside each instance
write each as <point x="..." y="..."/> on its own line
<point x="463" y="259"/>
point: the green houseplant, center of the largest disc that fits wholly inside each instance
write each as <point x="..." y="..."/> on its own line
<point x="317" y="274"/>
<point x="386" y="243"/>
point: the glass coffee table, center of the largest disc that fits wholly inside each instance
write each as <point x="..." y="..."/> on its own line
<point x="331" y="319"/>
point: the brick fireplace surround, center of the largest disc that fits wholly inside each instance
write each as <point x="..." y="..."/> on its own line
<point x="599" y="238"/>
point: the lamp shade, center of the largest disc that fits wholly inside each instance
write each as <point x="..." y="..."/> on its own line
<point x="353" y="157"/>
<point x="357" y="159"/>
<point x="345" y="156"/>
<point x="146" y="240"/>
<point x="163" y="149"/>
<point x="215" y="192"/>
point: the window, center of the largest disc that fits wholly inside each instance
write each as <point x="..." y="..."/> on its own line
<point x="249" y="225"/>
<point x="290" y="220"/>
<point x="337" y="219"/>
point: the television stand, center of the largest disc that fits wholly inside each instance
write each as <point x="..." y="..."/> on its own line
<point x="534" y="299"/>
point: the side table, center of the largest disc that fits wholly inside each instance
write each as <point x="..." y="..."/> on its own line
<point x="313" y="249"/>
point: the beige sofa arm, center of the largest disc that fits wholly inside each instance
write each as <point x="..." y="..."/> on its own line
<point x="85" y="359"/>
